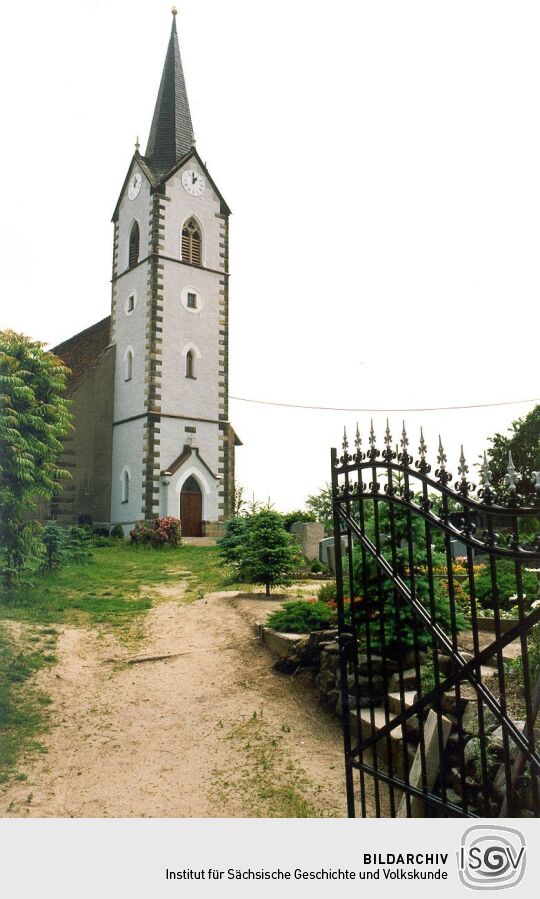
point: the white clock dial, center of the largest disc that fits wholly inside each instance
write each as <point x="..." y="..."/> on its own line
<point x="193" y="182"/>
<point x="134" y="185"/>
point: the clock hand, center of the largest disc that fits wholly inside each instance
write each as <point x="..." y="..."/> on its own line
<point x="193" y="178"/>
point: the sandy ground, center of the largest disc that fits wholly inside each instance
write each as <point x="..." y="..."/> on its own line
<point x="209" y="730"/>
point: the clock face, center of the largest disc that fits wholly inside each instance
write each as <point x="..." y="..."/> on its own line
<point x="193" y="183"/>
<point x="134" y="185"/>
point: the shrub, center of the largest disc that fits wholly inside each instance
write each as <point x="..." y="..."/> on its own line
<point x="316" y="567"/>
<point x="327" y="592"/>
<point x="117" y="532"/>
<point x="163" y="532"/>
<point x="55" y="542"/>
<point x="302" y="617"/>
<point x="506" y="584"/>
<point x="100" y="532"/>
<point x="400" y="622"/>
<point x="64" y="546"/>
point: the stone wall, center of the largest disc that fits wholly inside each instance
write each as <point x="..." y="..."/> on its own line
<point x="319" y="651"/>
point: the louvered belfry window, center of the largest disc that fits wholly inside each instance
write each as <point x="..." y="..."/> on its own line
<point x="134" y="244"/>
<point x="191" y="242"/>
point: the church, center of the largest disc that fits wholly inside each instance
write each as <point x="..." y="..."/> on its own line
<point x="149" y="384"/>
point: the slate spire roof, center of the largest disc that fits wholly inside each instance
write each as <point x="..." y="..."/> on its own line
<point x="171" y="134"/>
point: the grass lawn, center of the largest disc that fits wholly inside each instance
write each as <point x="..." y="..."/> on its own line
<point x="115" y="588"/>
<point x="118" y="583"/>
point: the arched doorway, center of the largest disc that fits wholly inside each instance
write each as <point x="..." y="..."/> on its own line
<point x="191" y="509"/>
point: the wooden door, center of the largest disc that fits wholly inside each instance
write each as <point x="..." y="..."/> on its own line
<point x="191" y="509"/>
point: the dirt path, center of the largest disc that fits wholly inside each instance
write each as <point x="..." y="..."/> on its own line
<point x="209" y="731"/>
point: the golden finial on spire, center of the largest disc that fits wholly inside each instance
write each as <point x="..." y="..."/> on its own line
<point x="174" y="10"/>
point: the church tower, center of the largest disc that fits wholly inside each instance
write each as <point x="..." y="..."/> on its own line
<point x="173" y="445"/>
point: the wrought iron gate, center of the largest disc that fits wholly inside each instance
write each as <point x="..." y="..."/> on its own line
<point x="439" y="634"/>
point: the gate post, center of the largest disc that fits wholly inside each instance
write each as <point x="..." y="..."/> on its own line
<point x="344" y="640"/>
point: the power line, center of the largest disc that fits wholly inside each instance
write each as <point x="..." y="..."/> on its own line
<point x="244" y="399"/>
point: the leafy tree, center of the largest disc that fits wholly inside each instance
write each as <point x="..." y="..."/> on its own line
<point x="321" y="505"/>
<point x="34" y="416"/>
<point x="523" y="442"/>
<point x="267" y="554"/>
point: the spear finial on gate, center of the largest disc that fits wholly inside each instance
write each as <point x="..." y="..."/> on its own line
<point x="404" y="439"/>
<point x="422" y="464"/>
<point x="358" y="444"/>
<point x="441" y="455"/>
<point x="511" y="476"/>
<point x="388" y="453"/>
<point x="441" y="473"/>
<point x="345" y="442"/>
<point x="486" y="474"/>
<point x="463" y="468"/>
<point x="422" y="448"/>
<point x="373" y="451"/>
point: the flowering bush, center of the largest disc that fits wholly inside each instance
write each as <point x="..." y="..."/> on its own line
<point x="162" y="532"/>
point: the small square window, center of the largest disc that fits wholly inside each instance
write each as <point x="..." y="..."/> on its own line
<point x="192" y="300"/>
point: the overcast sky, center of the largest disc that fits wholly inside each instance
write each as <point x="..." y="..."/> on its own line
<point x="381" y="160"/>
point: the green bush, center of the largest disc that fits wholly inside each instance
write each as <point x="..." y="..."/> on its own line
<point x="316" y="567"/>
<point x="117" y="532"/>
<point x="327" y="592"/>
<point x="63" y="546"/>
<point x="400" y="622"/>
<point x="302" y="617"/>
<point x="506" y="584"/>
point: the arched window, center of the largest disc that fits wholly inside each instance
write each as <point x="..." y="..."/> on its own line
<point x="190" y="364"/>
<point x="129" y="366"/>
<point x="192" y="242"/>
<point x="125" y="486"/>
<point x="134" y="240"/>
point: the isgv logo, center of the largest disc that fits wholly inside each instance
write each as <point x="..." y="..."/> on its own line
<point x="491" y="858"/>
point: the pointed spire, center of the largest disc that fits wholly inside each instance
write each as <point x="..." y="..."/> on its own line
<point x="171" y="134"/>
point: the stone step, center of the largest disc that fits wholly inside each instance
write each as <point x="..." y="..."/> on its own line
<point x="394" y="701"/>
<point x="379" y="721"/>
